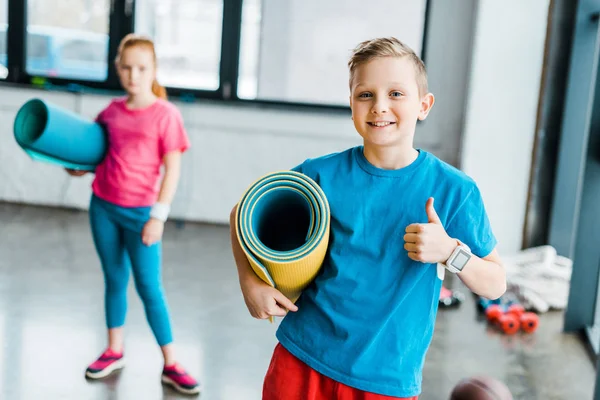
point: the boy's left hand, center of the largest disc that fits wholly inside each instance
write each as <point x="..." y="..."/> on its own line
<point x="152" y="232"/>
<point x="429" y="243"/>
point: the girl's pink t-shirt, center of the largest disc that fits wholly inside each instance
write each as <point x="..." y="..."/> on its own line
<point x="138" y="139"/>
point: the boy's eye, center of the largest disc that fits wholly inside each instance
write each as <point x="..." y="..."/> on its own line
<point x="396" y="94"/>
<point x="365" y="95"/>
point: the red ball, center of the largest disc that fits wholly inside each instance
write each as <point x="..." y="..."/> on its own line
<point x="516" y="309"/>
<point x="481" y="388"/>
<point x="529" y="322"/>
<point x="494" y="312"/>
<point x="509" y="323"/>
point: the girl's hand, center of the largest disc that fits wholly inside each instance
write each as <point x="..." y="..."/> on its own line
<point x="152" y="232"/>
<point x="75" y="172"/>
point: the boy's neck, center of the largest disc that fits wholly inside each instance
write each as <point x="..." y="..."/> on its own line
<point x="390" y="158"/>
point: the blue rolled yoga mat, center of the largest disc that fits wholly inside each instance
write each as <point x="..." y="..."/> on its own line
<point x="51" y="134"/>
<point x="282" y="225"/>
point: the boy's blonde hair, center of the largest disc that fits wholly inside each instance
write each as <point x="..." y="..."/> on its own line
<point x="387" y="47"/>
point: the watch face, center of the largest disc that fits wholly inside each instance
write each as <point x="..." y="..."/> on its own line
<point x="461" y="259"/>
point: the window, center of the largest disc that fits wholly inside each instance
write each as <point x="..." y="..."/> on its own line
<point x="3" y="44"/>
<point x="290" y="51"/>
<point x="77" y="50"/>
<point x="187" y="37"/>
<point x="3" y="32"/>
<point x="68" y="39"/>
<point x="297" y="50"/>
<point x="250" y="39"/>
<point x="37" y="46"/>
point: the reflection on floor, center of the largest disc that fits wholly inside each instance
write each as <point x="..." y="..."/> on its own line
<point x="51" y="324"/>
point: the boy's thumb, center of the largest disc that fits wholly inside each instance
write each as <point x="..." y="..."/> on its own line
<point x="432" y="216"/>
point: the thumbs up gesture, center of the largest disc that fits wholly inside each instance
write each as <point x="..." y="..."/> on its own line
<point x="429" y="243"/>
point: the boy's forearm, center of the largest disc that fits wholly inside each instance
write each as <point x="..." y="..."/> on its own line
<point x="485" y="277"/>
<point x="245" y="272"/>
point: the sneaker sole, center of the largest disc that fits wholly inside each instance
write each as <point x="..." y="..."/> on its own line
<point x="172" y="383"/>
<point x="106" y="371"/>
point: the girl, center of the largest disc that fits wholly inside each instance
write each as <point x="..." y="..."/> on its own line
<point x="129" y="205"/>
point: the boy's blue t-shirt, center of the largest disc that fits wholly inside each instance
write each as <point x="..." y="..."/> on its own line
<point x="367" y="319"/>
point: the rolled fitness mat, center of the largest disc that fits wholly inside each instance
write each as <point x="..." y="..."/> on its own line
<point x="51" y="134"/>
<point x="282" y="224"/>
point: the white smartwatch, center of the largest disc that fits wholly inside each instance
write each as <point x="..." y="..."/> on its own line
<point x="459" y="258"/>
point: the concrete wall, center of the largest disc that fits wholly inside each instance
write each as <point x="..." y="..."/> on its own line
<point x="502" y="106"/>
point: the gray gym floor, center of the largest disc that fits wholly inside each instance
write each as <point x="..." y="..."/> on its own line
<point x="52" y="324"/>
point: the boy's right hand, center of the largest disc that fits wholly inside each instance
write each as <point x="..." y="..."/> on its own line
<point x="264" y="301"/>
<point x="74" y="172"/>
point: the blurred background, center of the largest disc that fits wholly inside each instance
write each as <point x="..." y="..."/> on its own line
<point x="263" y="85"/>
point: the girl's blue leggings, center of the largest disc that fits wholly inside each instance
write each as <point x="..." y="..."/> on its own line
<point x="117" y="233"/>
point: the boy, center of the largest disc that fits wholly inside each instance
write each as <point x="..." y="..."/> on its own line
<point x="362" y="328"/>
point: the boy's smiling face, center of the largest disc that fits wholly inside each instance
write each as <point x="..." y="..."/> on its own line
<point x="385" y="101"/>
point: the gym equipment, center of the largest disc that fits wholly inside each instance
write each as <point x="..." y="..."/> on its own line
<point x="51" y="134"/>
<point x="509" y="315"/>
<point x="481" y="388"/>
<point x="450" y="298"/>
<point x="282" y="224"/>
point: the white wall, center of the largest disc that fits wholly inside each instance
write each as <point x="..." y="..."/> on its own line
<point x="501" y="110"/>
<point x="231" y="147"/>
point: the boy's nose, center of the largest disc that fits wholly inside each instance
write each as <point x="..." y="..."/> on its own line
<point x="379" y="108"/>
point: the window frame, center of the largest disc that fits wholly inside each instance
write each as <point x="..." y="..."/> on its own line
<point x="121" y="22"/>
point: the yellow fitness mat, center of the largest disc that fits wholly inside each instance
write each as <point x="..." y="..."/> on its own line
<point x="282" y="224"/>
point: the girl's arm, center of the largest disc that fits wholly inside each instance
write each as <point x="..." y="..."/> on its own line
<point x="172" y="161"/>
<point x="154" y="228"/>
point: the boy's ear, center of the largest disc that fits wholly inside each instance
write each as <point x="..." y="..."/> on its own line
<point x="426" y="104"/>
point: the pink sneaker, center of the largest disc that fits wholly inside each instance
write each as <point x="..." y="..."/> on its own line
<point x="175" y="376"/>
<point x="107" y="363"/>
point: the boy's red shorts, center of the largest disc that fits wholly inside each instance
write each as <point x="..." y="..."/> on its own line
<point x="288" y="378"/>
